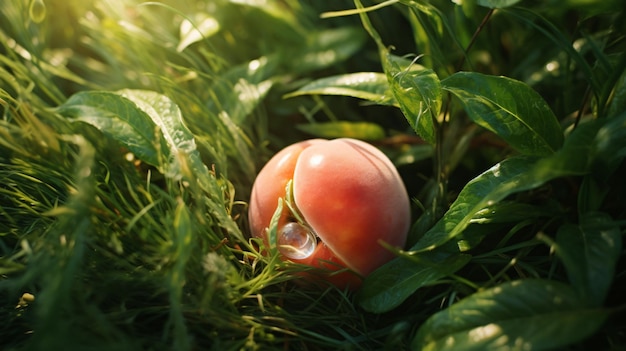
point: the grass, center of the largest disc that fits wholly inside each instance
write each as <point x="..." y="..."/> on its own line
<point x="101" y="248"/>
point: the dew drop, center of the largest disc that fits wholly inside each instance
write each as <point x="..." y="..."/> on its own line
<point x="296" y="241"/>
<point x="37" y="11"/>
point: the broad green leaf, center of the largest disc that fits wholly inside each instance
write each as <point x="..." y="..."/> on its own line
<point x="418" y="92"/>
<point x="371" y="86"/>
<point x="202" y="27"/>
<point x="344" y="129"/>
<point x="511" y="176"/>
<point x="497" y="4"/>
<point x="483" y="195"/>
<point x="528" y="314"/>
<point x="589" y="252"/>
<point x="510" y="109"/>
<point x="166" y="115"/>
<point x="487" y="189"/>
<point x="390" y="285"/>
<point x="121" y="119"/>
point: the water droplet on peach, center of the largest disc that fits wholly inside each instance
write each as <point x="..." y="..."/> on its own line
<point x="296" y="241"/>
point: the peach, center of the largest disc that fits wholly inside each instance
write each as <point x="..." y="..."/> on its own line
<point x="347" y="197"/>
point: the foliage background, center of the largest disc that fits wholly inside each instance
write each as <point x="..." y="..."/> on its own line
<point x="129" y="144"/>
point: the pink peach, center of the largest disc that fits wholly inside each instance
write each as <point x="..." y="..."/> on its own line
<point x="347" y="193"/>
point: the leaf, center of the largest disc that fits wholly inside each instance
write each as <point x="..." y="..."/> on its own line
<point x="510" y="109"/>
<point x="201" y="28"/>
<point x="166" y="115"/>
<point x="589" y="251"/>
<point x="371" y="86"/>
<point x="487" y="189"/>
<point x="344" y="129"/>
<point x="519" y="315"/>
<point x="240" y="90"/>
<point x="609" y="145"/>
<point x="497" y="4"/>
<point x="119" y="118"/>
<point x="324" y="48"/>
<point x="484" y="194"/>
<point x="388" y="286"/>
<point x="617" y="102"/>
<point x="418" y="92"/>
<point x="510" y="176"/>
<point x="511" y="211"/>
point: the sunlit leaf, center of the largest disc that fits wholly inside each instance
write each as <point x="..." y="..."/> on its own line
<point x="121" y="119"/>
<point x="589" y="252"/>
<point x="166" y="115"/>
<point x="390" y="285"/>
<point x="497" y="4"/>
<point x="344" y="129"/>
<point x="528" y="314"/>
<point x="418" y="92"/>
<point x="509" y="108"/>
<point x="203" y="26"/>
<point x="371" y="86"/>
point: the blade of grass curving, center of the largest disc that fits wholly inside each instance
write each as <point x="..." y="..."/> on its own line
<point x="367" y="25"/>
<point x="524" y="314"/>
<point x="509" y="108"/>
<point x="547" y="28"/>
<point x="434" y="39"/>
<point x="183" y="241"/>
<point x="358" y="10"/>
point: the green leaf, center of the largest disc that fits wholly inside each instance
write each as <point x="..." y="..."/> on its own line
<point x="495" y="184"/>
<point x="324" y="48"/>
<point x="609" y="145"/>
<point x="510" y="109"/>
<point x="388" y="286"/>
<point x="483" y="195"/>
<point x="589" y="251"/>
<point x="511" y="211"/>
<point x="344" y="129"/>
<point x="371" y="86"/>
<point x="617" y="103"/>
<point x="520" y="315"/>
<point x="121" y="119"/>
<point x="202" y="27"/>
<point x="418" y="92"/>
<point x="497" y="4"/>
<point x="166" y="115"/>
<point x="511" y="176"/>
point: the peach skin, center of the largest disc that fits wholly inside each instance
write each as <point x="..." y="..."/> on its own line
<point x="346" y="198"/>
